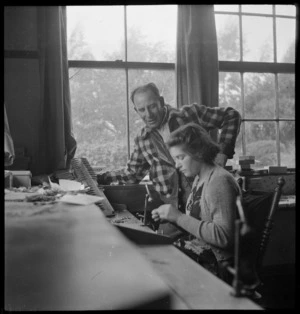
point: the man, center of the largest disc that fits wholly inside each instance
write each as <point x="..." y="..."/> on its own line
<point x="151" y="156"/>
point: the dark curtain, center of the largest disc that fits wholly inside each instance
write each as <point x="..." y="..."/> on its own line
<point x="57" y="143"/>
<point x="197" y="72"/>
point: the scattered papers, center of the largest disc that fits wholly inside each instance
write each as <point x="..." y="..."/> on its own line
<point x="41" y="191"/>
<point x="18" y="196"/>
<point x="54" y="186"/>
<point x="81" y="199"/>
<point x="66" y="185"/>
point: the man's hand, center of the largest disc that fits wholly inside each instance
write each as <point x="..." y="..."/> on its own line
<point x="166" y="212"/>
<point x="221" y="159"/>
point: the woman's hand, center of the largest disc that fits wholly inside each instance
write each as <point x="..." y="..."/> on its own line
<point x="166" y="212"/>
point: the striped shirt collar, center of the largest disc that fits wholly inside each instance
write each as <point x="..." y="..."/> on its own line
<point x="146" y="130"/>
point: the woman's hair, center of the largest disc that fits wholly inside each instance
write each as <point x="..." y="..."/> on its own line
<point x="196" y="140"/>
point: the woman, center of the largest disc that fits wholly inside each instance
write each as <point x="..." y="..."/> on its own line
<point x="211" y="206"/>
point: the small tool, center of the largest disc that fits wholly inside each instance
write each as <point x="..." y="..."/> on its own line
<point x="148" y="198"/>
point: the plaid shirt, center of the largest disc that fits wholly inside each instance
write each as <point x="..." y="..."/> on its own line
<point x="151" y="156"/>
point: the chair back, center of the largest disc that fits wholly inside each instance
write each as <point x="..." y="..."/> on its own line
<point x="253" y="228"/>
<point x="260" y="208"/>
<point x="269" y="221"/>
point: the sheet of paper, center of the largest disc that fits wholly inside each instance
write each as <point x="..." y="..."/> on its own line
<point x="70" y="185"/>
<point x="81" y="199"/>
<point x="54" y="186"/>
<point x="66" y="185"/>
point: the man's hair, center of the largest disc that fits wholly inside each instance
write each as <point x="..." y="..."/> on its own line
<point x="195" y="140"/>
<point x="144" y="88"/>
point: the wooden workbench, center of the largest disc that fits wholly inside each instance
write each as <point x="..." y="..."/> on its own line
<point x="192" y="286"/>
<point x="66" y="257"/>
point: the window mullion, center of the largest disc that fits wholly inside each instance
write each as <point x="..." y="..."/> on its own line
<point x="127" y="84"/>
<point x="276" y="90"/>
<point x="259" y="67"/>
<point x="241" y="33"/>
<point x="274" y="35"/>
<point x="254" y="14"/>
<point x="243" y="127"/>
<point x="120" y="64"/>
<point x="277" y="120"/>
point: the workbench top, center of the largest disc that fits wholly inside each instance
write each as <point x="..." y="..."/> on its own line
<point x="68" y="257"/>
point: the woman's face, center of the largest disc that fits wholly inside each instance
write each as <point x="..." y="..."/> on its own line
<point x="188" y="165"/>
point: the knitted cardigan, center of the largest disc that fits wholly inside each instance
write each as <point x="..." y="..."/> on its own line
<point x="215" y="225"/>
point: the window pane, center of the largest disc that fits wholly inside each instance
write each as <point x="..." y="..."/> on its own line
<point x="287" y="143"/>
<point x="95" y="32"/>
<point x="261" y="143"/>
<point x="226" y="8"/>
<point x="228" y="37"/>
<point x="152" y="33"/>
<point x="286" y="10"/>
<point x="286" y="95"/>
<point x="98" y="100"/>
<point x="230" y="90"/>
<point x="257" y="8"/>
<point x="259" y="95"/>
<point x="164" y="80"/>
<point x="257" y="39"/>
<point x="285" y="36"/>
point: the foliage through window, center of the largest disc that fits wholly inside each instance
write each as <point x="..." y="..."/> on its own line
<point x="112" y="49"/>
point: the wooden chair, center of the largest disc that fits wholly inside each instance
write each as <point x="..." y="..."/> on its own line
<point x="252" y="233"/>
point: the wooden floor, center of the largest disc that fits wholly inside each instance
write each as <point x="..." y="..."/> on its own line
<point x="278" y="290"/>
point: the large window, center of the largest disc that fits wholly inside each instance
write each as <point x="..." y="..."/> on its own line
<point x="113" y="49"/>
<point x="256" y="47"/>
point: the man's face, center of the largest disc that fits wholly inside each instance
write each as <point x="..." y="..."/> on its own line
<point x="149" y="108"/>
